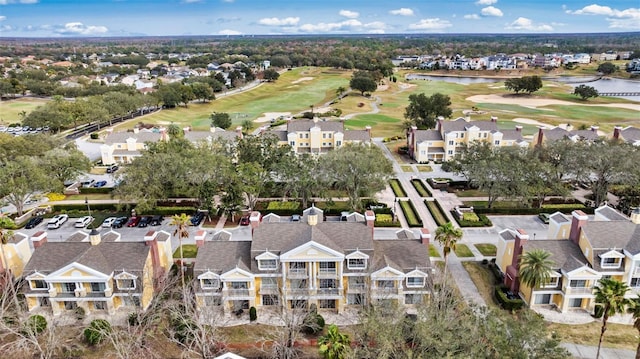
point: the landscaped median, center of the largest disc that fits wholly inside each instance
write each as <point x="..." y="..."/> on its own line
<point x="398" y="191"/>
<point x="436" y="212"/>
<point x="410" y="214"/>
<point x="421" y="188"/>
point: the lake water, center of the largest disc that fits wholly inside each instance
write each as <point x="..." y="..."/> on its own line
<point x="602" y="85"/>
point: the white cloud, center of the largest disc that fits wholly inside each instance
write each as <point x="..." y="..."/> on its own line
<point x="431" y="24"/>
<point x="5" y="28"/>
<point x="524" y="24"/>
<point x="403" y="11"/>
<point x="228" y="1"/>
<point x="274" y="21"/>
<point x="191" y="1"/>
<point x="376" y="25"/>
<point x="620" y="19"/>
<point x="491" y="11"/>
<point x="486" y="2"/>
<point x="5" y="2"/>
<point x="350" y="14"/>
<point x="2" y="18"/>
<point x="351" y="24"/>
<point x="472" y="16"/>
<point x="229" y="32"/>
<point x="78" y="28"/>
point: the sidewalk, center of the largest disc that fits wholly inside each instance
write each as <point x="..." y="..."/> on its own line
<point x="589" y="352"/>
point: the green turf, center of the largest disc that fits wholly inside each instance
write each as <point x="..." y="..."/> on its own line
<point x="486" y="249"/>
<point x="188" y="251"/>
<point x="463" y="251"/>
<point x="10" y="110"/>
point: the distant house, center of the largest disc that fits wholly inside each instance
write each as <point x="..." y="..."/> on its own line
<point x="557" y="133"/>
<point x="319" y="136"/>
<point x="97" y="272"/>
<point x="628" y="134"/>
<point x="449" y="137"/>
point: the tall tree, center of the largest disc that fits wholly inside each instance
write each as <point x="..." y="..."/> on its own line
<point x="202" y="91"/>
<point x="20" y="179"/>
<point x="220" y="119"/>
<point x="423" y="111"/>
<point x="448" y="235"/>
<point x="585" y="92"/>
<point x="610" y="296"/>
<point x="181" y="224"/>
<point x="633" y="308"/>
<point x="528" y="84"/>
<point x="606" y="163"/>
<point x="363" y="84"/>
<point x="535" y="268"/>
<point x="334" y="345"/>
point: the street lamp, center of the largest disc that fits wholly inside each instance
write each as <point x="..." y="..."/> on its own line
<point x="86" y="201"/>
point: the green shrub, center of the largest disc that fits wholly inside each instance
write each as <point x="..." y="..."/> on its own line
<point x="506" y="303"/>
<point x="36" y="324"/>
<point x="421" y="188"/>
<point x="253" y="315"/>
<point x="470" y="217"/>
<point x="97" y="331"/>
<point x="483" y="221"/>
<point x="288" y="205"/>
<point x="79" y="313"/>
<point x="94" y="136"/>
<point x="397" y="188"/>
<point x="385" y="220"/>
<point x="532" y="211"/>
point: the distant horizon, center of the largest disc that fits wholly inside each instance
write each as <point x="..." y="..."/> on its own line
<point x="184" y="18"/>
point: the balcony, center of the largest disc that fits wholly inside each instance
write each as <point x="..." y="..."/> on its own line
<point x="328" y="292"/>
<point x="327" y="273"/>
<point x="293" y="292"/>
<point x="53" y="292"/>
<point x="66" y="295"/>
<point x="238" y="293"/>
<point x="356" y="288"/>
<point x="579" y="290"/>
<point x="269" y="289"/>
<point x="297" y="273"/>
<point x="80" y="292"/>
<point x="385" y="291"/>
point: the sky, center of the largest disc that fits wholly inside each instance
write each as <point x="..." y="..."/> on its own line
<point x="77" y="18"/>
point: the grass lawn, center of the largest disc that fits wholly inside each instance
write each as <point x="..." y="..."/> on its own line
<point x="433" y="252"/>
<point x="438" y="216"/>
<point x="188" y="251"/>
<point x="10" y="110"/>
<point x="424" y="168"/>
<point x="486" y="249"/>
<point x="406" y="168"/>
<point x="617" y="335"/>
<point x="397" y="188"/>
<point x="463" y="251"/>
<point x="393" y="148"/>
<point x="483" y="279"/>
<point x="471" y="193"/>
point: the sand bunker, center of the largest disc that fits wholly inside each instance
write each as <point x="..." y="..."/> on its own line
<point x="539" y="102"/>
<point x="302" y="79"/>
<point x="529" y="121"/>
<point x="268" y="116"/>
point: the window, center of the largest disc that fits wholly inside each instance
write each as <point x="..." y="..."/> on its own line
<point x="269" y="282"/>
<point x="38" y="284"/>
<point x="578" y="283"/>
<point x="356" y="299"/>
<point x="496" y="142"/>
<point x="450" y="152"/>
<point x="356" y="263"/>
<point x="635" y="282"/>
<point x="98" y="287"/>
<point x="210" y="283"/>
<point x="552" y="283"/>
<point x="239" y="285"/>
<point x="451" y="143"/>
<point x="387" y="284"/>
<point x="575" y="303"/>
<point x="328" y="135"/>
<point x="269" y="300"/>
<point x="412" y="299"/>
<point x="68" y="305"/>
<point x="327" y="267"/>
<point x="415" y="282"/>
<point x="327" y="303"/>
<point x="328" y="284"/>
<point x="299" y="284"/>
<point x="324" y="135"/>
<point x="306" y="135"/>
<point x="211" y="301"/>
<point x="297" y="268"/>
<point x="292" y="143"/>
<point x="99" y="305"/>
<point x="131" y="301"/>
<point x="126" y="284"/>
<point x="485" y="135"/>
<point x="462" y="135"/>
<point x="338" y="143"/>
<point x="68" y="287"/>
<point x="543" y="299"/>
<point x="267" y="264"/>
<point x="610" y="262"/>
<point x="301" y="135"/>
<point x="356" y="282"/>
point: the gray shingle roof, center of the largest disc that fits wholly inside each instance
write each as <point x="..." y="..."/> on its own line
<point x="222" y="256"/>
<point x="610" y="214"/>
<point x="460" y="124"/>
<point x="403" y="255"/>
<point x="142" y="137"/>
<point x="200" y="136"/>
<point x="281" y="135"/>
<point x="614" y="234"/>
<point x="357" y="135"/>
<point x="630" y="134"/>
<point x="427" y="135"/>
<point x="564" y="254"/>
<point x="511" y="135"/>
<point x="306" y="125"/>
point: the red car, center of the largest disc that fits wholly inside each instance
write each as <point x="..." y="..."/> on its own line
<point x="133" y="221"/>
<point x="244" y="221"/>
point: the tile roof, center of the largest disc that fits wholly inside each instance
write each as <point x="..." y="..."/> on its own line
<point x="564" y="254"/>
<point x="222" y="256"/>
<point x="142" y="137"/>
<point x="306" y="125"/>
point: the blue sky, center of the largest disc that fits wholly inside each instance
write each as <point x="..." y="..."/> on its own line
<point x="66" y="18"/>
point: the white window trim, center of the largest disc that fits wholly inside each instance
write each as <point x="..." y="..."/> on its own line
<point x="261" y="267"/>
<point x="349" y="266"/>
<point x="414" y="285"/>
<point x="215" y="285"/>
<point x="610" y="266"/>
<point x="118" y="282"/>
<point x="553" y="282"/>
<point x="31" y="282"/>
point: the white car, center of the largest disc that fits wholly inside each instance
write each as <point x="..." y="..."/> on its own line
<point x="56" y="221"/>
<point x="108" y="222"/>
<point x="83" y="221"/>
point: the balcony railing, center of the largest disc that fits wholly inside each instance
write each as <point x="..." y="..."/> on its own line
<point x="327" y="292"/>
<point x="268" y="289"/>
<point x="236" y="293"/>
<point x="297" y="291"/>
<point x="579" y="290"/>
<point x="297" y="273"/>
<point x="636" y="272"/>
<point x="386" y="290"/>
<point x="65" y="294"/>
<point x="327" y="273"/>
<point x="356" y="288"/>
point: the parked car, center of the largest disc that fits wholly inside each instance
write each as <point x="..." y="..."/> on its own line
<point x="544" y="217"/>
<point x="156" y="220"/>
<point x="108" y="222"/>
<point x="112" y="168"/>
<point x="83" y="221"/>
<point x="197" y="218"/>
<point x="244" y="221"/>
<point x="295" y="218"/>
<point x="56" y="221"/>
<point x="88" y="182"/>
<point x="119" y="222"/>
<point x="100" y="184"/>
<point x="144" y="221"/>
<point x="133" y="221"/>
<point x="33" y="222"/>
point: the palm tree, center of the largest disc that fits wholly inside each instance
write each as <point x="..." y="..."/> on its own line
<point x="447" y="235"/>
<point x="334" y="345"/>
<point x="610" y="296"/>
<point x="633" y="308"/>
<point x="535" y="268"/>
<point x="181" y="224"/>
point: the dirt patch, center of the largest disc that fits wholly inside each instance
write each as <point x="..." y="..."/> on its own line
<point x="404" y="85"/>
<point x="302" y="79"/>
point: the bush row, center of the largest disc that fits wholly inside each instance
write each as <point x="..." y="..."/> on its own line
<point x="506" y="303"/>
<point x="410" y="214"/>
<point x="421" y="188"/>
<point x="94" y="190"/>
<point x="483" y="221"/>
<point x="397" y="188"/>
<point x="524" y="211"/>
<point x="437" y="215"/>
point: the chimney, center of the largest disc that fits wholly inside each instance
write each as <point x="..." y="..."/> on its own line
<point x="212" y="129"/>
<point x="368" y="129"/>
<point x="579" y="219"/>
<point x="136" y="130"/>
<point x="254" y="219"/>
<point x="39" y="239"/>
<point x="425" y="236"/>
<point x="521" y="239"/>
<point x="494" y="119"/>
<point x="518" y="128"/>
<point x="370" y="217"/>
<point x="94" y="237"/>
<point x="200" y="235"/>
<point x="150" y="240"/>
<point x="540" y="135"/>
<point x="569" y="127"/>
<point x="635" y="215"/>
<point x="312" y="217"/>
<point x="186" y="129"/>
<point x="616" y="132"/>
<point x="239" y="132"/>
<point x="468" y="118"/>
<point x="595" y="128"/>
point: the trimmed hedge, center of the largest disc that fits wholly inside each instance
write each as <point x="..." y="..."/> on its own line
<point x="280" y="205"/>
<point x="483" y="221"/>
<point x="410" y="214"/>
<point x="436" y="213"/>
<point x="385" y="220"/>
<point x="421" y="188"/>
<point x="94" y="190"/>
<point x="397" y="188"/>
<point x="525" y="211"/>
<point x="506" y="303"/>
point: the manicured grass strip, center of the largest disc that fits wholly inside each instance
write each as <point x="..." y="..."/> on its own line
<point x="398" y="191"/>
<point x="463" y="251"/>
<point x="410" y="214"/>
<point x="483" y="279"/>
<point x="471" y="193"/>
<point x="421" y="188"/>
<point x="188" y="251"/>
<point x="424" y="168"/>
<point x="433" y="252"/>
<point x="437" y="215"/>
<point x="406" y="168"/>
<point x="487" y="249"/>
